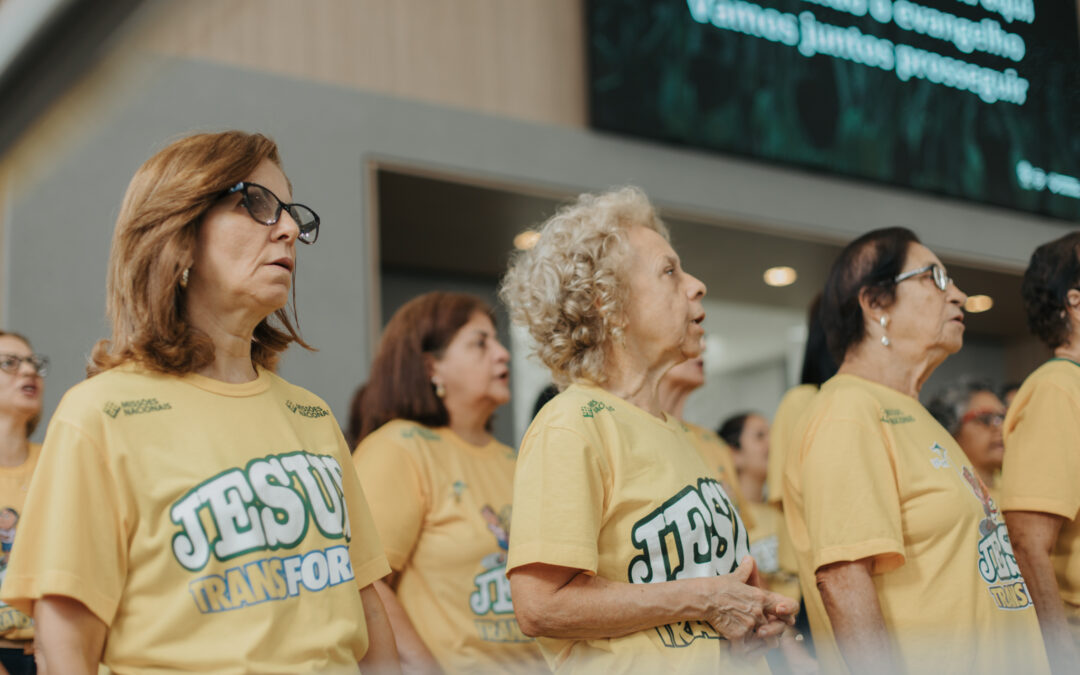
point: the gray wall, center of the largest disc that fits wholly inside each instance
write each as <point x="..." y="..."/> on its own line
<point x="58" y="229"/>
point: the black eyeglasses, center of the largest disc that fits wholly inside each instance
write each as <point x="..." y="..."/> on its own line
<point x="10" y="363"/>
<point x="265" y="207"/>
<point x="941" y="279"/>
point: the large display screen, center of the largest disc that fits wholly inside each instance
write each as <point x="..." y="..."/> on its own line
<point x="976" y="99"/>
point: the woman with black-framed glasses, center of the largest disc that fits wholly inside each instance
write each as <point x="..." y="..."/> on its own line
<point x="903" y="557"/>
<point x="1041" y="475"/>
<point x="22" y="374"/>
<point x="192" y="511"/>
<point x="972" y="412"/>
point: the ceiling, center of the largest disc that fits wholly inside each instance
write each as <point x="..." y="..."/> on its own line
<point x="431" y="224"/>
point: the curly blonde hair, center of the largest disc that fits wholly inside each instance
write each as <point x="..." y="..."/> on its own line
<point x="568" y="289"/>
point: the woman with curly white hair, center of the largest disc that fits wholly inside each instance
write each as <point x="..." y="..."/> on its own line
<point x="625" y="555"/>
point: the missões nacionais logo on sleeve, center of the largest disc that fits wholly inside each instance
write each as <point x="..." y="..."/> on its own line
<point x="696" y="533"/>
<point x="270" y="505"/>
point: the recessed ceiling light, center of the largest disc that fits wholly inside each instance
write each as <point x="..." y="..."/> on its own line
<point x="780" y="276"/>
<point x="526" y="240"/>
<point x="978" y="303"/>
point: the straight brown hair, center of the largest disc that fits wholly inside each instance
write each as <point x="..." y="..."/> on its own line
<point x="400" y="387"/>
<point x="154" y="242"/>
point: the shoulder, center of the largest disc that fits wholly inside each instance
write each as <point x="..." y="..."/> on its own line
<point x="1060" y="373"/>
<point x="107" y="394"/>
<point x="401" y="435"/>
<point x="848" y="396"/>
<point x="299" y="400"/>
<point x="796" y="399"/>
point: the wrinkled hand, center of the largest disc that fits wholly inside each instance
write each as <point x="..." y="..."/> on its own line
<point x="751" y="618"/>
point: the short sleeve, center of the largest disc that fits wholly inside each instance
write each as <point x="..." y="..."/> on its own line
<point x="558" y="501"/>
<point x="365" y="549"/>
<point x="850" y="497"/>
<point x="72" y="533"/>
<point x="1041" y="471"/>
<point x="391" y="481"/>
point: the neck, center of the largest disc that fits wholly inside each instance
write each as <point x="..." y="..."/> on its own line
<point x="14" y="445"/>
<point x="891" y="366"/>
<point x="632" y="378"/>
<point x="470" y="423"/>
<point x="752" y="486"/>
<point x="231" y="335"/>
<point x="1070" y="351"/>
<point x="672" y="399"/>
<point x="986" y="474"/>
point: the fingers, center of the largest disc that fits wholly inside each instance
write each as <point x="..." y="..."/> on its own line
<point x="781" y="607"/>
<point x="747" y="568"/>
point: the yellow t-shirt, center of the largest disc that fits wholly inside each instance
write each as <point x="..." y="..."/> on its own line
<point x="605" y="487"/>
<point x="210" y="526"/>
<point x="877" y="477"/>
<point x="1042" y="461"/>
<point x="782" y="436"/>
<point x="442" y="508"/>
<point x="764" y="546"/>
<point x="717" y="456"/>
<point x="14" y="484"/>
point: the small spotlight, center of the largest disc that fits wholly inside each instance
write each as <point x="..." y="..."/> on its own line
<point x="526" y="240"/>
<point x="780" y="276"/>
<point x="978" y="303"/>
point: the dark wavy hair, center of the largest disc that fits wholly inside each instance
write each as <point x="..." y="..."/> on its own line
<point x="1053" y="271"/>
<point x="818" y="364"/>
<point x="731" y="429"/>
<point x="871" y="262"/>
<point x="399" y="386"/>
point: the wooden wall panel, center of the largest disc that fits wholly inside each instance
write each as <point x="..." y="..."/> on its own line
<point x="519" y="58"/>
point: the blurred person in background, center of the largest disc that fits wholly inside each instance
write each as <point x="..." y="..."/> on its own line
<point x="903" y="557"/>
<point x="441" y="487"/>
<point x="356" y="417"/>
<point x="605" y="477"/>
<point x="747" y="434"/>
<point x="675" y="387"/>
<point x="973" y="414"/>
<point x="817" y="367"/>
<point x="1041" y="474"/>
<point x="22" y="385"/>
<point x="1008" y="393"/>
<point x="191" y="510"/>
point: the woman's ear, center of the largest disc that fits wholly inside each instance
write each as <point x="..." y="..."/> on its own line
<point x="429" y="365"/>
<point x="870" y="305"/>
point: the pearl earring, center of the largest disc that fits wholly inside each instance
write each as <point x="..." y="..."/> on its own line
<point x="440" y="390"/>
<point x="184" y="277"/>
<point x="884" y="321"/>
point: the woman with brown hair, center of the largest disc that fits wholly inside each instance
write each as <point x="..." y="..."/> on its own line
<point x="441" y="487"/>
<point x="191" y="509"/>
<point x="22" y="374"/>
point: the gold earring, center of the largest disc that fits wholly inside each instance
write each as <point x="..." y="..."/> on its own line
<point x="184" y="277"/>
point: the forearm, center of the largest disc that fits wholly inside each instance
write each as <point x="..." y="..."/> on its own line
<point x="1032" y="550"/>
<point x="850" y="599"/>
<point x="589" y="606"/>
<point x="69" y="638"/>
<point x="381" y="657"/>
<point x="416" y="658"/>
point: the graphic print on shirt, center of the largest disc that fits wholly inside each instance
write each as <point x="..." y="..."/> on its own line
<point x="491" y="597"/>
<point x="269" y="505"/>
<point x="997" y="564"/>
<point x="696" y="533"/>
<point x="9" y="616"/>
